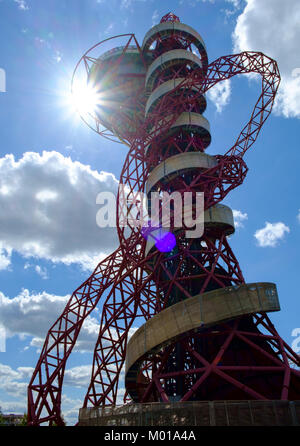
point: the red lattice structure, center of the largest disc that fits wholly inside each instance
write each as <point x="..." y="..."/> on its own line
<point x="153" y="101"/>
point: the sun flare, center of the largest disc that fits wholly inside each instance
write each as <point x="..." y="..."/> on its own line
<point x="84" y="98"/>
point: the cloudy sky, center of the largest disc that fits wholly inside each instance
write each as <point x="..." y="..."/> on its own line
<point x="52" y="166"/>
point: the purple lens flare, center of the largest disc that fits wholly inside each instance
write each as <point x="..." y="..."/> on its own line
<point x="166" y="243"/>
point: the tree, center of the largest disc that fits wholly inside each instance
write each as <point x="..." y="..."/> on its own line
<point x="24" y="420"/>
<point x="2" y="420"/>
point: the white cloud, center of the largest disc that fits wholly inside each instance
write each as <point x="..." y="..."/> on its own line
<point x="125" y="4"/>
<point x="298" y="216"/>
<point x="271" y="234"/>
<point x="15" y="382"/>
<point x="272" y="27"/>
<point x="235" y="6"/>
<point x="220" y="94"/>
<point x="239" y="218"/>
<point x="16" y="407"/>
<point x="155" y="17"/>
<point x="70" y="409"/>
<point x="79" y="376"/>
<point x="109" y="28"/>
<point x="48" y="209"/>
<point x="41" y="271"/>
<point x="5" y="257"/>
<point x="195" y="2"/>
<point x="235" y="3"/>
<point x="22" y="4"/>
<point x="32" y="314"/>
<point x="2" y="81"/>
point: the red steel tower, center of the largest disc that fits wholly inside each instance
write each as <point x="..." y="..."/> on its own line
<point x="204" y="333"/>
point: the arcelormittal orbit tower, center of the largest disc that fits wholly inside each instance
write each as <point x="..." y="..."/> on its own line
<point x="205" y="351"/>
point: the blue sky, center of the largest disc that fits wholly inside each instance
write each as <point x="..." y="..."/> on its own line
<point x="50" y="242"/>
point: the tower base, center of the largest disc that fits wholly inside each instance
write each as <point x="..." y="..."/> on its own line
<point x="195" y="413"/>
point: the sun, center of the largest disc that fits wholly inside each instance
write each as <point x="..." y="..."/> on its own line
<point x="84" y="98"/>
<point x="79" y="98"/>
